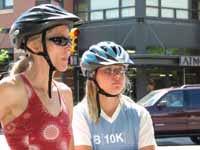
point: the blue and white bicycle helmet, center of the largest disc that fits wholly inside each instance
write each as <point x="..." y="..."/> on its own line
<point x="103" y="54"/>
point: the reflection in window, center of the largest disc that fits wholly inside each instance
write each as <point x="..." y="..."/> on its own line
<point x="128" y="12"/>
<point x="127" y="8"/>
<point x="104" y="6"/>
<point x="180" y="9"/>
<point x="104" y="9"/>
<point x="126" y="3"/>
<point x="182" y="14"/>
<point x="175" y="3"/>
<point x="169" y="8"/>
<point x="152" y="12"/>
<point x="152" y="8"/>
<point x="174" y="99"/>
<point x="114" y="13"/>
<point x="167" y="13"/>
<point x="96" y="15"/>
<point x="152" y="2"/>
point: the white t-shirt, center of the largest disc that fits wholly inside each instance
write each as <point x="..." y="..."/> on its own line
<point x="81" y="130"/>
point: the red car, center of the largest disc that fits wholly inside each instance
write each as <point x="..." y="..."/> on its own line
<point x="175" y="111"/>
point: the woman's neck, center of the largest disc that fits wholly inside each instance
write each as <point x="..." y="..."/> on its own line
<point x="39" y="76"/>
<point x="109" y="104"/>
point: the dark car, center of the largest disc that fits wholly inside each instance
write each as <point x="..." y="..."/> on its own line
<point x="175" y="111"/>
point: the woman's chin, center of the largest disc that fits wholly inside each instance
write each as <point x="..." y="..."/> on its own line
<point x="62" y="69"/>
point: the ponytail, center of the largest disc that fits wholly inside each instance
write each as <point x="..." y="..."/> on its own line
<point x="91" y="91"/>
<point x="21" y="65"/>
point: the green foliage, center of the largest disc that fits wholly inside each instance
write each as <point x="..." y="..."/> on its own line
<point x="170" y="51"/>
<point x="4" y="57"/>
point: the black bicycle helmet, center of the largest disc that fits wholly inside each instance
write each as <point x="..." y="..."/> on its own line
<point x="39" y="19"/>
<point x="103" y="54"/>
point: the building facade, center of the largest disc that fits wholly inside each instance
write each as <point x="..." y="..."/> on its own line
<point x="161" y="36"/>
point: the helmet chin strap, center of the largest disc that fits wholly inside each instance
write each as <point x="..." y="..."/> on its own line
<point x="46" y="57"/>
<point x="101" y="91"/>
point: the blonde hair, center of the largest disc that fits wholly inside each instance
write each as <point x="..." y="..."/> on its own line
<point x="91" y="92"/>
<point x="21" y="65"/>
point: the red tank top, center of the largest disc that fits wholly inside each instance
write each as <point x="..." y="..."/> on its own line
<point x="36" y="129"/>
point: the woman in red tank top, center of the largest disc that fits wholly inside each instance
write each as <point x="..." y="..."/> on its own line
<point x="35" y="110"/>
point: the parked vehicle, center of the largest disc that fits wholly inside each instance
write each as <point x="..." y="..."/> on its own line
<point x="175" y="111"/>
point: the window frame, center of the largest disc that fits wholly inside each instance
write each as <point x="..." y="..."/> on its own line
<point x="176" y="93"/>
<point x="104" y="13"/>
<point x="174" y="11"/>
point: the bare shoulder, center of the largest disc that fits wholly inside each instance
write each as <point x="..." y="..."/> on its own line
<point x="66" y="91"/>
<point x="11" y="91"/>
<point x="11" y="87"/>
<point x="62" y="86"/>
<point x="8" y="86"/>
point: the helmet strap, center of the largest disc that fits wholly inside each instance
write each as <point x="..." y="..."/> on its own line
<point x="46" y="57"/>
<point x="100" y="91"/>
<point x="98" y="105"/>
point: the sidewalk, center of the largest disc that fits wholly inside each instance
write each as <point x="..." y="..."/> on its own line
<point x="179" y="148"/>
<point x="3" y="143"/>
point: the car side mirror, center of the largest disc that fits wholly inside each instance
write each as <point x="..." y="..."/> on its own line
<point x="162" y="104"/>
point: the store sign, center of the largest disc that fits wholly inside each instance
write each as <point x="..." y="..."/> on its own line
<point x="189" y="61"/>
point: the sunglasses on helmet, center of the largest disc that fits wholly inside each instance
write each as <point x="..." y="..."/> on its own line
<point x="60" y="40"/>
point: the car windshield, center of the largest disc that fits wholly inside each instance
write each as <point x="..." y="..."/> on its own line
<point x="152" y="97"/>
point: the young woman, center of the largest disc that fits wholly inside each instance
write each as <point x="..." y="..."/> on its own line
<point x="36" y="111"/>
<point x="106" y="119"/>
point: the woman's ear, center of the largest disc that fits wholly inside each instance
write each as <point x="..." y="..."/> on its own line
<point x="35" y="43"/>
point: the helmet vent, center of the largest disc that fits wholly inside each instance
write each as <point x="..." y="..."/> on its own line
<point x="93" y="51"/>
<point x="114" y="49"/>
<point x="104" y="48"/>
<point x="120" y="50"/>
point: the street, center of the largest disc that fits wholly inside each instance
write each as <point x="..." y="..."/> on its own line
<point x="176" y="144"/>
<point x="163" y="144"/>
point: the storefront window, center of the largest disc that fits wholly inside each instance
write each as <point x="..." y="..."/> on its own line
<point x="168" y="8"/>
<point x="104" y="7"/>
<point x="82" y="9"/>
<point x="180" y="9"/>
<point x="102" y="10"/>
<point x="127" y="8"/>
<point x="152" y="2"/>
<point x="152" y="8"/>
<point x="175" y="3"/>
